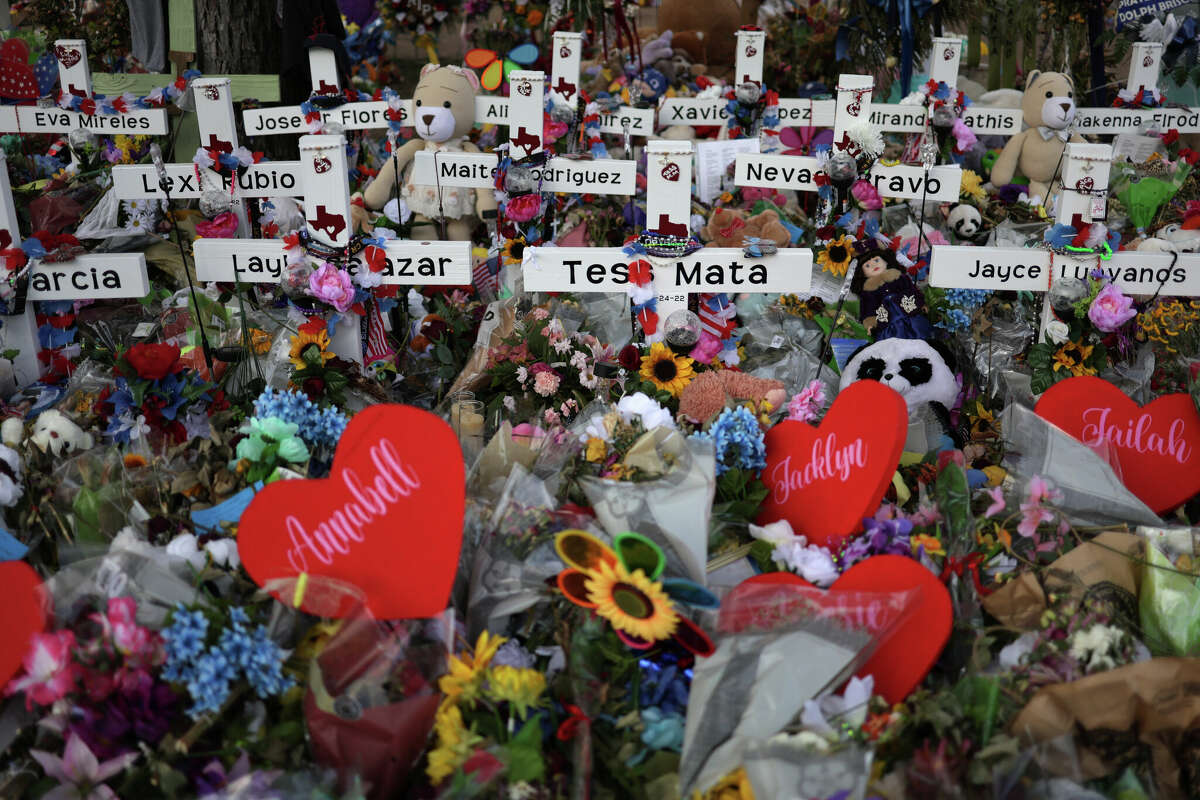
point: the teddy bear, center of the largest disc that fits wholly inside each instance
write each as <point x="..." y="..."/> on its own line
<point x="727" y="227"/>
<point x="52" y="430"/>
<point x="1048" y="108"/>
<point x="711" y="23"/>
<point x="708" y="393"/>
<point x="444" y="111"/>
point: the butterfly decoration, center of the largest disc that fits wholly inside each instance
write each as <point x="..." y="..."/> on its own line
<point x="496" y="69"/>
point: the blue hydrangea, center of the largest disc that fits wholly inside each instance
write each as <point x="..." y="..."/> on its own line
<point x="955" y="320"/>
<point x="738" y="441"/>
<point x="209" y="683"/>
<point x="967" y="299"/>
<point x="318" y="426"/>
<point x="183" y="642"/>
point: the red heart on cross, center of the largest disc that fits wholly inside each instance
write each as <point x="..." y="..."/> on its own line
<point x="22" y="614"/>
<point x="671" y="172"/>
<point x="388" y="519"/>
<point x="825" y="480"/>
<point x="67" y="56"/>
<point x="1084" y="184"/>
<point x="1154" y="446"/>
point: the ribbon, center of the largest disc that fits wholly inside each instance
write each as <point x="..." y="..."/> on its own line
<point x="570" y="726"/>
<point x="904" y="13"/>
<point x="957" y="565"/>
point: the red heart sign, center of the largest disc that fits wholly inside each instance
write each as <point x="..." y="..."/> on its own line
<point x="388" y="519"/>
<point x="1155" y="446"/>
<point x="67" y="56"/>
<point x="825" y="480"/>
<point x="671" y="172"/>
<point x="22" y="614"/>
<point x="1084" y="184"/>
<point x="904" y="658"/>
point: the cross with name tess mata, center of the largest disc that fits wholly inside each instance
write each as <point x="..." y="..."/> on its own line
<point x="85" y="277"/>
<point x="325" y="186"/>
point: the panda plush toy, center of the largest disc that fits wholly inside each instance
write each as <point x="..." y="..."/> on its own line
<point x="965" y="221"/>
<point x="921" y="371"/>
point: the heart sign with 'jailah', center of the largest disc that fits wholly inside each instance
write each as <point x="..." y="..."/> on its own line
<point x="824" y="480"/>
<point x="388" y="519"/>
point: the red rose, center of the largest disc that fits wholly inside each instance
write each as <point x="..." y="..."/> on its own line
<point x="630" y="357"/>
<point x="1171" y="136"/>
<point x="153" y="361"/>
<point x="314" y="388"/>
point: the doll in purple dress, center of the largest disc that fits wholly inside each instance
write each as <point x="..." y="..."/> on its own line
<point x="890" y="304"/>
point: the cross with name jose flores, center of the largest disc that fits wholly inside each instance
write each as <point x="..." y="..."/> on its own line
<point x="568" y="175"/>
<point x="1085" y="179"/>
<point x="75" y="79"/>
<point x="748" y="67"/>
<point x="353" y="116"/>
<point x="668" y="209"/>
<point x="1144" y="64"/>
<point x="939" y="184"/>
<point x="324" y="179"/>
<point x="187" y="181"/>
<point x="564" y="86"/>
<point x="86" y="277"/>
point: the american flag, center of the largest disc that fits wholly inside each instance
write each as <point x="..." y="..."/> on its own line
<point x="717" y="312"/>
<point x="378" y="348"/>
<point x="486" y="281"/>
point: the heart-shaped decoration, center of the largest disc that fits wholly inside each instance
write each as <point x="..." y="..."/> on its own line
<point x="22" y="614"/>
<point x="1155" y="446"/>
<point x="67" y="56"/>
<point x="388" y="519"/>
<point x="564" y="51"/>
<point x="948" y="54"/>
<point x="322" y="164"/>
<point x="825" y="480"/>
<point x="1148" y="61"/>
<point x="751" y="51"/>
<point x="671" y="172"/>
<point x="1084" y="184"/>
<point x="909" y="651"/>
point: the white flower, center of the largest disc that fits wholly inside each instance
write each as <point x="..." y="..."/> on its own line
<point x="368" y="279"/>
<point x="599" y="427"/>
<point x="1012" y="654"/>
<point x="867" y="137"/>
<point x="510" y="403"/>
<point x="184" y="547"/>
<point x="645" y="408"/>
<point x="139" y="427"/>
<point x="522" y="375"/>
<point x="1057" y="331"/>
<point x="1093" y="646"/>
<point x="562" y="346"/>
<point x="850" y="708"/>
<point x="10" y="479"/>
<point x="776" y="533"/>
<point x="139" y="223"/>
<point x="224" y="552"/>
<point x="813" y="563"/>
<point x="588" y="379"/>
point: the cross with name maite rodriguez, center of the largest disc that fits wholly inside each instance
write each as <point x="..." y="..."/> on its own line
<point x="75" y="79"/>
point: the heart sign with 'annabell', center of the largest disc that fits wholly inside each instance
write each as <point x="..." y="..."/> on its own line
<point x="824" y="480"/>
<point x="1155" y="446"/>
<point x="388" y="519"/>
<point x="22" y="614"/>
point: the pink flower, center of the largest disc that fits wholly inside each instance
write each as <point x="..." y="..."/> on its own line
<point x="964" y="139"/>
<point x="546" y="383"/>
<point x="81" y="776"/>
<point x="523" y="208"/>
<point x="706" y="349"/>
<point x="1033" y="513"/>
<point x="222" y="226"/>
<point x="552" y="130"/>
<point x="50" y="670"/>
<point x="331" y="285"/>
<point x="804" y="405"/>
<point x="539" y="313"/>
<point x="866" y="195"/>
<point x="998" y="503"/>
<point x="752" y="194"/>
<point x="1111" y="309"/>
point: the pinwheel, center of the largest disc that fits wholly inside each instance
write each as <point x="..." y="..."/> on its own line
<point x="496" y="69"/>
<point x="621" y="584"/>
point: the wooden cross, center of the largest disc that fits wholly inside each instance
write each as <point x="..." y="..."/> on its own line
<point x="1144" y="65"/>
<point x="668" y="209"/>
<point x="85" y="277"/>
<point x="75" y="79"/>
<point x="564" y="84"/>
<point x="325" y="184"/>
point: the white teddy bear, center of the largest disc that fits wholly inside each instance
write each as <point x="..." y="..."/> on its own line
<point x="53" y="430"/>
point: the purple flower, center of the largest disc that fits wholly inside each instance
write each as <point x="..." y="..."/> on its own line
<point x="879" y="537"/>
<point x="1111" y="309"/>
<point x="80" y="774"/>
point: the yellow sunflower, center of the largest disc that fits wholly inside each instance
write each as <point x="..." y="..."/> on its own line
<point x="521" y="688"/>
<point x="631" y="602"/>
<point x="466" y="670"/>
<point x="303" y="340"/>
<point x="972" y="186"/>
<point x="836" y="256"/>
<point x="666" y="370"/>
<point x="455" y="743"/>
<point x="513" y="250"/>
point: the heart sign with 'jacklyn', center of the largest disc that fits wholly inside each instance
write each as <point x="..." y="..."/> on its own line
<point x="22" y="614"/>
<point x="1156" y="446"/>
<point x="388" y="519"/>
<point x="825" y="480"/>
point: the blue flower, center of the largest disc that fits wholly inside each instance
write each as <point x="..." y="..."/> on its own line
<point x="317" y="426"/>
<point x="209" y="682"/>
<point x="738" y="441"/>
<point x="183" y="642"/>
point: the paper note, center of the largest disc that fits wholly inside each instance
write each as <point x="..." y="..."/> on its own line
<point x="712" y="161"/>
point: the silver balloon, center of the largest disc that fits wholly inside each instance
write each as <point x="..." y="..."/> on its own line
<point x="747" y="93"/>
<point x="842" y="170"/>
<point x="1065" y="292"/>
<point x="80" y="138"/>
<point x="214" y="202"/>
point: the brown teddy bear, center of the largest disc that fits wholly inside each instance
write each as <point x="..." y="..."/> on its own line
<point x="1048" y="107"/>
<point x="444" y="111"/>
<point x="711" y="390"/>
<point x="727" y="227"/>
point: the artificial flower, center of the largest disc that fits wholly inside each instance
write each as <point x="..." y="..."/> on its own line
<point x="513" y="251"/>
<point x="667" y="371"/>
<point x="222" y="226"/>
<point x="631" y="602"/>
<point x="1111" y="309"/>
<point x="303" y="340"/>
<point x="50" y="669"/>
<point x="972" y="186"/>
<point x="836" y="256"/>
<point x="333" y="286"/>
<point x="523" y="208"/>
<point x="153" y="361"/>
<point x="81" y="776"/>
<point x="521" y="688"/>
<point x="645" y="409"/>
<point x="807" y="403"/>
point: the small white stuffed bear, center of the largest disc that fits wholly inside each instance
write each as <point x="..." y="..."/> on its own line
<point x="57" y="432"/>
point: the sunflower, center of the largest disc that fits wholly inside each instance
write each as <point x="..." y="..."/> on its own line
<point x="835" y="258"/>
<point x="1072" y="357"/>
<point x="466" y="670"/>
<point x="513" y="250"/>
<point x="521" y="688"/>
<point x="631" y="602"/>
<point x="305" y="339"/>
<point x="666" y="370"/>
<point x="455" y="743"/>
<point x="972" y="186"/>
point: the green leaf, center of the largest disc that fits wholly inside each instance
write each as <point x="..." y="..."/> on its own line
<point x="954" y="499"/>
<point x="10" y="354"/>
<point x="525" y="754"/>
<point x="979" y="697"/>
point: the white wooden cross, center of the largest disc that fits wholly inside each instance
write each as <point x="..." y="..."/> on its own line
<point x="668" y="210"/>
<point x="186" y="181"/>
<point x="363" y="115"/>
<point x="1144" y="65"/>
<point x="1085" y="181"/>
<point x="324" y="177"/>
<point x="75" y="79"/>
<point x="564" y="86"/>
<point x="86" y="277"/>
